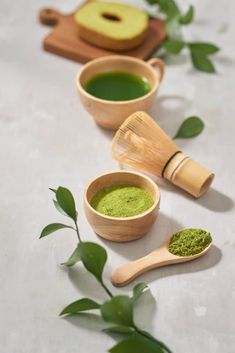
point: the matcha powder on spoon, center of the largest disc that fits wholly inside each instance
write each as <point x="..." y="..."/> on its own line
<point x="190" y="241"/>
<point x="122" y="201"/>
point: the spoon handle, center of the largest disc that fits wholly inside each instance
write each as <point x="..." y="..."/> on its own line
<point x="126" y="273"/>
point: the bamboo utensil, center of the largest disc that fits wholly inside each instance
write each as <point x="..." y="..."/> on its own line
<point x="142" y="144"/>
<point x="126" y="228"/>
<point x="158" y="258"/>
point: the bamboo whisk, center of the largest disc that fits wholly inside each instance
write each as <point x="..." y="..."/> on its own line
<point x="142" y="144"/>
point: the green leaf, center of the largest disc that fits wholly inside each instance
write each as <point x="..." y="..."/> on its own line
<point x="74" y="258"/>
<point x="172" y="25"/>
<point x="66" y="202"/>
<point x="57" y="206"/>
<point x="203" y="47"/>
<point x="190" y="127"/>
<point x="172" y="14"/>
<point x="173" y="46"/>
<point x="76" y="307"/>
<point x="118" y="310"/>
<point x="122" y="330"/>
<point x="137" y="344"/>
<point x="161" y="344"/>
<point x="152" y="2"/>
<point x="188" y="17"/>
<point x="138" y="290"/>
<point x="202" y="62"/>
<point x="51" y="228"/>
<point x="93" y="257"/>
<point x="168" y="7"/>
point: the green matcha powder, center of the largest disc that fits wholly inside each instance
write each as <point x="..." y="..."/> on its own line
<point x="189" y="242"/>
<point x="122" y="201"/>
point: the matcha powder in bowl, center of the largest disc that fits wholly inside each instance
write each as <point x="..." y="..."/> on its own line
<point x="122" y="201"/>
<point x="189" y="242"/>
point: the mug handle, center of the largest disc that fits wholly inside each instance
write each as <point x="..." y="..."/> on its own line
<point x="159" y="64"/>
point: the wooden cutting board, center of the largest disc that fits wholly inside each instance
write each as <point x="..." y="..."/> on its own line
<point x="63" y="40"/>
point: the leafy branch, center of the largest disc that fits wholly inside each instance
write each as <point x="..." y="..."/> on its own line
<point x="118" y="310"/>
<point x="174" y="19"/>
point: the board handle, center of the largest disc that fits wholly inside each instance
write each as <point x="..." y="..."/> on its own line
<point x="49" y="16"/>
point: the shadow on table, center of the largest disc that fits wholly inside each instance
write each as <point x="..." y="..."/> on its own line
<point x="144" y="312"/>
<point x="163" y="228"/>
<point x="145" y="309"/>
<point x="106" y="132"/>
<point x="87" y="320"/>
<point x="85" y="283"/>
<point x="211" y="259"/>
<point x="213" y="200"/>
<point x="169" y="111"/>
<point x="216" y="201"/>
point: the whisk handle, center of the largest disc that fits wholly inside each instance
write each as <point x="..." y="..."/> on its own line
<point x="159" y="64"/>
<point x="188" y="175"/>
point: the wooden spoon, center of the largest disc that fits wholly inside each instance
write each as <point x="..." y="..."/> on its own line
<point x="158" y="258"/>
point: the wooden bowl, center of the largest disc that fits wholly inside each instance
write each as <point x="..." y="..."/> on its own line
<point x="126" y="228"/>
<point x="111" y="114"/>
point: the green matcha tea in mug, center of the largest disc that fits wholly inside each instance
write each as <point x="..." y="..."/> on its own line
<point x="117" y="86"/>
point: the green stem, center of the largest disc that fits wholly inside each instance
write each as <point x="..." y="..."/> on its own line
<point x="77" y="231"/>
<point x="148" y="336"/>
<point x="106" y="289"/>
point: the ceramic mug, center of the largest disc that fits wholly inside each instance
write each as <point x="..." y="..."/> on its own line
<point x="111" y="114"/>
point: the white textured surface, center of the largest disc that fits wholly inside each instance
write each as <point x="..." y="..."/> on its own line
<point x="47" y="139"/>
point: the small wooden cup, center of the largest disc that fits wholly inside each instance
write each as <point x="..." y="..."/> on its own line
<point x="111" y="114"/>
<point x="126" y="228"/>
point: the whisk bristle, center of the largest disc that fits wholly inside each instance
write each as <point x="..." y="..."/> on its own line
<point x="142" y="144"/>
